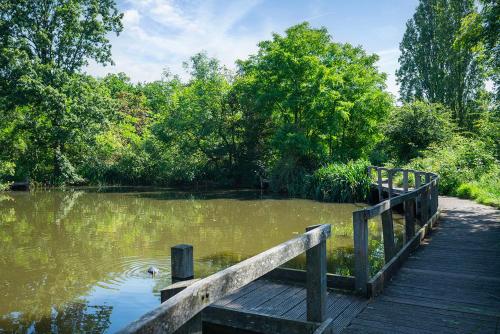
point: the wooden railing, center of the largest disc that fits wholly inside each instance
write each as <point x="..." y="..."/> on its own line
<point x="419" y="201"/>
<point x="178" y="310"/>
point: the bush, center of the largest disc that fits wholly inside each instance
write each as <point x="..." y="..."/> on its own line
<point x="340" y="182"/>
<point x="413" y="127"/>
<point x="485" y="191"/>
<point x="457" y="162"/>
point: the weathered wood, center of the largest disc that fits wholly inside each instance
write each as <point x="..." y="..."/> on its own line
<point x="170" y="315"/>
<point x="409" y="209"/>
<point x="316" y="281"/>
<point x="388" y="233"/>
<point x="376" y="283"/>
<point x="361" y="264"/>
<point x="255" y="322"/>
<point x="405" y="180"/>
<point x="389" y="182"/>
<point x="175" y="288"/>
<point x="182" y="263"/>
<point x="379" y="183"/>
<point x="326" y="327"/>
<point x="424" y="205"/>
<point x="290" y="275"/>
<point x="377" y="209"/>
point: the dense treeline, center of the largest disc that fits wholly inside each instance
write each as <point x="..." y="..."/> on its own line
<point x="294" y="113"/>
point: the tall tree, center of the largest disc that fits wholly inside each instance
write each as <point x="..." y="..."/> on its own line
<point x="307" y="100"/>
<point x="435" y="69"/>
<point x="42" y="45"/>
<point x="480" y="32"/>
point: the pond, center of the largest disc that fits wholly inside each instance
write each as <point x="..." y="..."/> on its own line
<point x="77" y="260"/>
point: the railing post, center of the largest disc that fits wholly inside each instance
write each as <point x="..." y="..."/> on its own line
<point x="436" y="196"/>
<point x="388" y="233"/>
<point x="430" y="195"/>
<point x="417" y="185"/>
<point x="424" y="205"/>
<point x="405" y="180"/>
<point x="409" y="207"/>
<point x="182" y="264"/>
<point x="361" y="264"/>
<point x="389" y="177"/>
<point x="379" y="184"/>
<point x="316" y="281"/>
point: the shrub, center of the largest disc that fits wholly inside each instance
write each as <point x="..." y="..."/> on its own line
<point x="457" y="162"/>
<point x="413" y="127"/>
<point x="486" y="190"/>
<point x="340" y="182"/>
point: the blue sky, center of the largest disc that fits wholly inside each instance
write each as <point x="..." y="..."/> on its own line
<point x="161" y="34"/>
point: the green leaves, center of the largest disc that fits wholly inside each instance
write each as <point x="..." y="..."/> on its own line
<point x="310" y="97"/>
<point x="433" y="67"/>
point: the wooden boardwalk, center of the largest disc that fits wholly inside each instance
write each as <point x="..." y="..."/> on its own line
<point x="451" y="284"/>
<point x="282" y="300"/>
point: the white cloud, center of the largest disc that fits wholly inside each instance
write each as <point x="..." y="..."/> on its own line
<point x="131" y="17"/>
<point x="388" y="62"/>
<point x="161" y="34"/>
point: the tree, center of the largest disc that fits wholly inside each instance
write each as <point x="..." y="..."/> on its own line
<point x="480" y="33"/>
<point x="199" y="125"/>
<point x="42" y="46"/>
<point x="412" y="128"/>
<point x="307" y="100"/>
<point x="432" y="67"/>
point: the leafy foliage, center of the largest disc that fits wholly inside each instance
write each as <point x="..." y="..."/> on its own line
<point x="340" y="182"/>
<point x="413" y="127"/>
<point x="433" y="67"/>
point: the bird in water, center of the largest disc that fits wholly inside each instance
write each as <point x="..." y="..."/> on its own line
<point x="153" y="271"/>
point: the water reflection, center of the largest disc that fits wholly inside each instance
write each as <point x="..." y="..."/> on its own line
<point x="77" y="260"/>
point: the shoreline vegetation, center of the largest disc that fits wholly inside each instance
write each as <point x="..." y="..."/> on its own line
<point x="303" y="116"/>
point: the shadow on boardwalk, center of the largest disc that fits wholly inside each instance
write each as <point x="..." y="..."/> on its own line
<point x="449" y="285"/>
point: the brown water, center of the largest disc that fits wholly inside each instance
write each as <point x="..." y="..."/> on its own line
<point x="76" y="261"/>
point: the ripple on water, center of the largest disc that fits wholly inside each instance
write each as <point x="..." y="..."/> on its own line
<point x="134" y="267"/>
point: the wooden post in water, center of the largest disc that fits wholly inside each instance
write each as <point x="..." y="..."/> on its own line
<point x="388" y="233"/>
<point x="182" y="269"/>
<point x="316" y="281"/>
<point x="182" y="263"/>
<point x="361" y="264"/>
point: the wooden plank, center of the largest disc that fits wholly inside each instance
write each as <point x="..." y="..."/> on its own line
<point x="256" y="322"/>
<point x="388" y="233"/>
<point x="377" y="209"/>
<point x="325" y="328"/>
<point x="170" y="315"/>
<point x="361" y="264"/>
<point x="316" y="281"/>
<point x="333" y="281"/>
<point x="175" y="288"/>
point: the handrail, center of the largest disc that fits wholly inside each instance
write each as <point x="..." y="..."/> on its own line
<point x="422" y="199"/>
<point x="176" y="311"/>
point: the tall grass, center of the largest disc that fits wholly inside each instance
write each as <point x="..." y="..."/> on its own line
<point x="340" y="182"/>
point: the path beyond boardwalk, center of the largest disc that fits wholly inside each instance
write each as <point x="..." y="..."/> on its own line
<point x="451" y="284"/>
